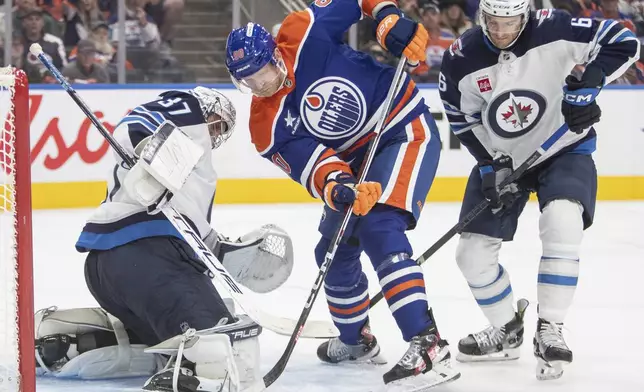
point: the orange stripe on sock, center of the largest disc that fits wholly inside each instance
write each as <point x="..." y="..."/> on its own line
<point x="352" y="310"/>
<point x="404" y="286"/>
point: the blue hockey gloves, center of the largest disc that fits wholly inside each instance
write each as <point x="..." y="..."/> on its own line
<point x="492" y="174"/>
<point x="341" y="190"/>
<point x="400" y="35"/>
<point x="578" y="107"/>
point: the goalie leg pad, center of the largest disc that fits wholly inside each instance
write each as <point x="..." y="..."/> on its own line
<point x="561" y="229"/>
<point x="88" y="343"/>
<point x="228" y="352"/>
<point x="477" y="256"/>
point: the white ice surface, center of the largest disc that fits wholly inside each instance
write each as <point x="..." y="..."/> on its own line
<point x="603" y="327"/>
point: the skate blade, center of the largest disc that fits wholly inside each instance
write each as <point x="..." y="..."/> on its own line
<point x="423" y="382"/>
<point x="549" y="370"/>
<point x="509" y="354"/>
<point x="377" y="360"/>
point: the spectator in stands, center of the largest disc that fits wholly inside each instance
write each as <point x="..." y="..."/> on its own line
<point x="79" y="18"/>
<point x="453" y="16"/>
<point x="410" y="9"/>
<point x="439" y="40"/>
<point x="32" y="24"/>
<point x="166" y="14"/>
<point x="609" y="9"/>
<point x="85" y="69"/>
<point x="17" y="49"/>
<point x="567" y="6"/>
<point x="49" y="23"/>
<point x="100" y="36"/>
<point x="376" y="51"/>
<point x="142" y="37"/>
<point x="635" y="8"/>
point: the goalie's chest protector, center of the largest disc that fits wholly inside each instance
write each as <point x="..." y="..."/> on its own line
<point x="120" y="219"/>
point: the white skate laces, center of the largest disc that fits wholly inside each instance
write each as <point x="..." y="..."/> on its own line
<point x="337" y="349"/>
<point x="551" y="335"/>
<point x="489" y="337"/>
<point x="413" y="358"/>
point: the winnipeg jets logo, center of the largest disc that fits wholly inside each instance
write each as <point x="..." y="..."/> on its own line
<point x="333" y="108"/>
<point x="517" y="114"/>
<point x="542" y="15"/>
<point x="514" y="113"/>
<point x="456" y="48"/>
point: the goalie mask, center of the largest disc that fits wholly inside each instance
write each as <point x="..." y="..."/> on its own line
<point x="219" y="113"/>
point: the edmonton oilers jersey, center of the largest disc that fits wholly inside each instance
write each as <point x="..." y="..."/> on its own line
<point x="120" y="218"/>
<point x="332" y="98"/>
<point x="509" y="101"/>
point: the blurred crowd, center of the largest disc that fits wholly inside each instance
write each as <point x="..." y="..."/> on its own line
<point x="81" y="38"/>
<point x="446" y="20"/>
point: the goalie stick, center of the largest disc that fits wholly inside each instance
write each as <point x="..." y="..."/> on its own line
<point x="280" y="325"/>
<point x="476" y="211"/>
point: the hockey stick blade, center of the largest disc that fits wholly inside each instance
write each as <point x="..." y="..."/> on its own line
<point x="476" y="211"/>
<point x="280" y="325"/>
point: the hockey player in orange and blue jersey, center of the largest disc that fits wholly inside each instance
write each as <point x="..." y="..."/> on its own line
<point x="316" y="103"/>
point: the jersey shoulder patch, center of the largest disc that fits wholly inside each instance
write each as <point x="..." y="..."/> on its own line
<point x="468" y="53"/>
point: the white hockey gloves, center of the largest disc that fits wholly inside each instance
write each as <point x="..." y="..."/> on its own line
<point x="166" y="159"/>
<point x="88" y="343"/>
<point x="261" y="260"/>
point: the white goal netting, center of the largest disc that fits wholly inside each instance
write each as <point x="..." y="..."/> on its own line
<point x="9" y="358"/>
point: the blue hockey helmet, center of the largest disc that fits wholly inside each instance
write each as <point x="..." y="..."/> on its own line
<point x="254" y="61"/>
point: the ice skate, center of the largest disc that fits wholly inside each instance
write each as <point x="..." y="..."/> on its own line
<point x="187" y="381"/>
<point x="366" y="351"/>
<point x="495" y="344"/>
<point x="425" y="365"/>
<point x="551" y="350"/>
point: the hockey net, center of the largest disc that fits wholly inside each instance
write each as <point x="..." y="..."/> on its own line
<point x="17" y="363"/>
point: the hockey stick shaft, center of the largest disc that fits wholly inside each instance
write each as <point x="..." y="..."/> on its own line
<point x="476" y="211"/>
<point x="283" y="326"/>
<point x="279" y="367"/>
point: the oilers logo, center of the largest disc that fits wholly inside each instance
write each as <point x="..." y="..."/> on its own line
<point x="514" y="113"/>
<point x="333" y="108"/>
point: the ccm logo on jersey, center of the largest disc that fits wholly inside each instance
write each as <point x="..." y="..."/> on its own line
<point x="322" y="3"/>
<point x="333" y="108"/>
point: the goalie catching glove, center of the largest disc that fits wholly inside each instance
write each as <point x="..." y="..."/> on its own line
<point x="166" y="160"/>
<point x="261" y="260"/>
<point x="342" y="190"/>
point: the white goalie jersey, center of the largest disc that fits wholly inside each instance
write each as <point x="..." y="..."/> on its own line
<point x="509" y="101"/>
<point x="120" y="219"/>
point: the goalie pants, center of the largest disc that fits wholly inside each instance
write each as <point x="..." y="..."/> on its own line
<point x="152" y="286"/>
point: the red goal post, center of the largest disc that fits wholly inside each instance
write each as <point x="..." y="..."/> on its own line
<point x="17" y="359"/>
